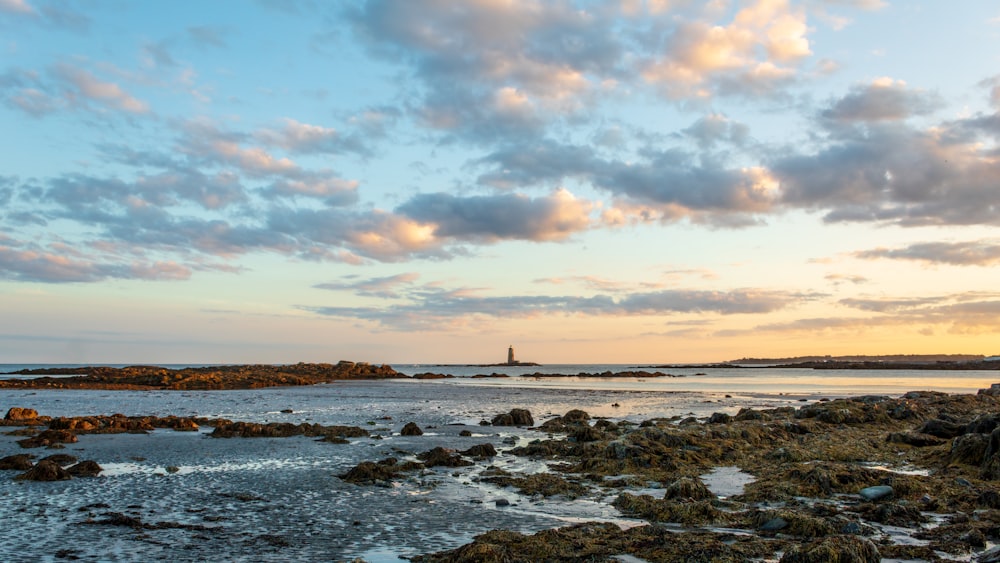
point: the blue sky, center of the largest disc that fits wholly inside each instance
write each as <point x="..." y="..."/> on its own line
<point x="429" y="181"/>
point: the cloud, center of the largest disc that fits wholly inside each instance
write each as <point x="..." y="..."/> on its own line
<point x="433" y="305"/>
<point x="385" y="287"/>
<point x="16" y="7"/>
<point x="61" y="264"/>
<point x="891" y="172"/>
<point x="500" y="217"/>
<point x="305" y="138"/>
<point x="971" y="253"/>
<point x="752" y="55"/>
<point x="882" y="100"/>
<point x="87" y="86"/>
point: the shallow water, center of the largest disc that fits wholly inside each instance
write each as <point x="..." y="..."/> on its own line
<point x="280" y="499"/>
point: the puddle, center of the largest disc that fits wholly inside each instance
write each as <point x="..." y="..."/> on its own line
<point x="727" y="481"/>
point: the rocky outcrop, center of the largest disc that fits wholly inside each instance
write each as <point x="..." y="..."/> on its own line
<point x="229" y="429"/>
<point x="212" y="377"/>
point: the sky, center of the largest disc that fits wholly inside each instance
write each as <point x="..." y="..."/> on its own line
<point x="427" y="181"/>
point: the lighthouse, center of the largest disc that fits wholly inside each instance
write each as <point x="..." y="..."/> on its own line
<point x="510" y="355"/>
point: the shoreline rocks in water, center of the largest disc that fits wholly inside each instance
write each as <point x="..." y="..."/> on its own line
<point x="827" y="478"/>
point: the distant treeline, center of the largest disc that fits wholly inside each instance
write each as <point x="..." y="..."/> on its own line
<point x="896" y="358"/>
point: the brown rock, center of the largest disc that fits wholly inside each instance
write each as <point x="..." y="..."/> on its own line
<point x="19" y="413"/>
<point x="49" y="438"/>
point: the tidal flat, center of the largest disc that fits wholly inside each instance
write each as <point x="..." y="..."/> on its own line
<point x="596" y="475"/>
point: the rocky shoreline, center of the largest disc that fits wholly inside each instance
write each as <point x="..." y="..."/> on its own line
<point x="239" y="376"/>
<point x="830" y="480"/>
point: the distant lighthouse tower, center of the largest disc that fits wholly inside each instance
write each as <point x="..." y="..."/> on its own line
<point x="510" y="355"/>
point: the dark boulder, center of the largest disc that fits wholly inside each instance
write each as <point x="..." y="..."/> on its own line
<point x="45" y="471"/>
<point x="411" y="429"/>
<point x="481" y="450"/>
<point x="516" y="417"/>
<point x="442" y="457"/>
<point x="719" y="418"/>
<point x="688" y="488"/>
<point x="942" y="428"/>
<point x="576" y="415"/>
<point x="86" y="468"/>
<point x="20" y="462"/>
<point x="62" y="459"/>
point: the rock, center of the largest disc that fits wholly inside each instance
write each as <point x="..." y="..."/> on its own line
<point x="719" y="418"/>
<point x="774" y="524"/>
<point x="969" y="449"/>
<point x="411" y="429"/>
<point x="20" y="462"/>
<point x="45" y="471"/>
<point x="442" y="457"/>
<point x="914" y="439"/>
<point x="16" y="414"/>
<point x="844" y="549"/>
<point x="500" y="502"/>
<point x="688" y="488"/>
<point x="371" y="473"/>
<point x="993" y="391"/>
<point x="516" y="417"/>
<point x="87" y="468"/>
<point x="942" y="428"/>
<point x="576" y="415"/>
<point x="61" y="459"/>
<point x="481" y="450"/>
<point x="587" y="434"/>
<point x="465" y="433"/>
<point x="991" y="458"/>
<point x="49" y="438"/>
<point x="983" y="424"/>
<point x="876" y="493"/>
<point x="750" y="414"/>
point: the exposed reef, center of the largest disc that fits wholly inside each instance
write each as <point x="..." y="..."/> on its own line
<point x="206" y="378"/>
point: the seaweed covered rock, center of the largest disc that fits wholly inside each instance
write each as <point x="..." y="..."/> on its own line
<point x="688" y="488"/>
<point x="544" y="484"/>
<point x="836" y="549"/>
<point x="516" y="417"/>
